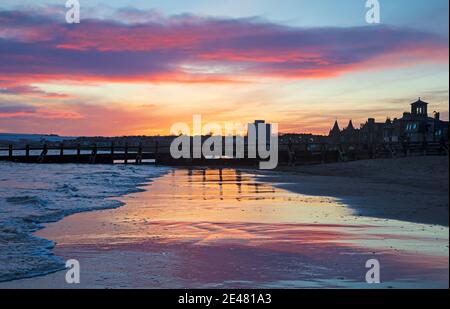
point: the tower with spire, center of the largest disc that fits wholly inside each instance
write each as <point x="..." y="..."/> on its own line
<point x="335" y="130"/>
<point x="350" y="134"/>
<point x="335" y="134"/>
<point x="419" y="109"/>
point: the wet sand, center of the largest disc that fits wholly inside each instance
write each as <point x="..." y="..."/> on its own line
<point x="222" y="228"/>
<point x="413" y="189"/>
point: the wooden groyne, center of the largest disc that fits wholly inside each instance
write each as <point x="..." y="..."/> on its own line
<point x="79" y="154"/>
<point x="288" y="153"/>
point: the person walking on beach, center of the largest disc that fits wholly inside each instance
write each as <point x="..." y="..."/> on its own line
<point x="291" y="154"/>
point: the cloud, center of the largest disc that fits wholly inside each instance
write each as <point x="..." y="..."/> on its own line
<point x="189" y="48"/>
<point x="79" y="118"/>
<point x="131" y="46"/>
<point x="7" y="87"/>
<point x="25" y="111"/>
<point x="16" y="109"/>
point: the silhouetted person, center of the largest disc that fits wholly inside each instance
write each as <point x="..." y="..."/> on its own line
<point x="291" y="153"/>
<point x="43" y="154"/>
<point x="443" y="145"/>
<point x="93" y="155"/>
<point x="139" y="155"/>
<point x="424" y="146"/>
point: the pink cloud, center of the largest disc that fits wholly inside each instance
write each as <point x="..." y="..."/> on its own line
<point x="159" y="49"/>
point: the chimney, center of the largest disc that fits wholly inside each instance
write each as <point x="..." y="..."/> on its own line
<point x="437" y="115"/>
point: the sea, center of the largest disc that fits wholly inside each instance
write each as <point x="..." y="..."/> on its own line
<point x="32" y="194"/>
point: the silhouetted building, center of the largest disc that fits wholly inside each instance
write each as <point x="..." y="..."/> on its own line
<point x="413" y="126"/>
<point x="335" y="134"/>
<point x="350" y="135"/>
<point x="267" y="126"/>
<point x="371" y="132"/>
<point x="416" y="126"/>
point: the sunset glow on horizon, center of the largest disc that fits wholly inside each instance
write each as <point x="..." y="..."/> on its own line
<point x="137" y="67"/>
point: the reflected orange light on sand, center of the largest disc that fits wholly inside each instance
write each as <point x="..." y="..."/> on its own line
<point x="211" y="227"/>
<point x="207" y="206"/>
<point x="225" y="195"/>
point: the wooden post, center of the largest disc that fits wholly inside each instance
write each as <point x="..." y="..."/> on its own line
<point x="27" y="150"/>
<point x="156" y="151"/>
<point x="126" y="153"/>
<point x="78" y="152"/>
<point x="61" y="149"/>
<point x="10" y="151"/>
<point x="112" y="151"/>
<point x="139" y="154"/>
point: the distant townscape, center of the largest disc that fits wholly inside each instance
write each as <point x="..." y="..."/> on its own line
<point x="414" y="126"/>
<point x="415" y="133"/>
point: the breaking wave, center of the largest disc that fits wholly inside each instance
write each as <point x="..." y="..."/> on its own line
<point x="34" y="194"/>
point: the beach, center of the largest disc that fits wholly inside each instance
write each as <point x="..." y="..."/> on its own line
<point x="297" y="227"/>
<point x="413" y="189"/>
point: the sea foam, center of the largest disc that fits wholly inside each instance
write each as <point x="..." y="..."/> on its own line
<point x="32" y="194"/>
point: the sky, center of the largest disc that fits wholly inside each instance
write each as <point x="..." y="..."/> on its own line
<point x="137" y="67"/>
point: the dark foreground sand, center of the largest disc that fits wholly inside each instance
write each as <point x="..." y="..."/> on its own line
<point x="411" y="189"/>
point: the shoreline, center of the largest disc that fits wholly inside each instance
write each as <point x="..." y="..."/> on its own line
<point x="29" y="223"/>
